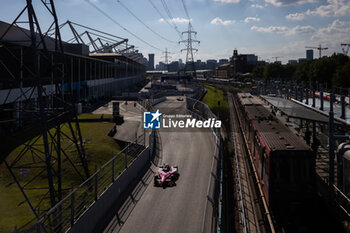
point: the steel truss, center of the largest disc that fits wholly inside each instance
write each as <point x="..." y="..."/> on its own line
<point x="100" y="42"/>
<point x="42" y="144"/>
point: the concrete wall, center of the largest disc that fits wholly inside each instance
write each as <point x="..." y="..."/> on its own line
<point x="157" y="101"/>
<point x="113" y="197"/>
<point x="109" y="86"/>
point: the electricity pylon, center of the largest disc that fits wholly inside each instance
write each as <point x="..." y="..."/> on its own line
<point x="166" y="56"/>
<point x="189" y="48"/>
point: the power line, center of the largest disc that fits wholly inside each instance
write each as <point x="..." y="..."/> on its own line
<point x="167" y="11"/>
<point x="186" y="11"/>
<point x="121" y="26"/>
<point x="162" y="16"/>
<point x="156" y="33"/>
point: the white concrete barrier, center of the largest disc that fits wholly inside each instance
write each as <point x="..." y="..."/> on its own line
<point x="113" y="197"/>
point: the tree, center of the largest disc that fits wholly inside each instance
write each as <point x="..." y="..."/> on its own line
<point x="341" y="77"/>
<point x="276" y="70"/>
<point x="333" y="70"/>
<point x="302" y="71"/>
<point x="258" y="72"/>
<point x="289" y="71"/>
<point x="273" y="70"/>
<point x="321" y="70"/>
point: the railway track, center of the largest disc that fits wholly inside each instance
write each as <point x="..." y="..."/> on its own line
<point x="254" y="213"/>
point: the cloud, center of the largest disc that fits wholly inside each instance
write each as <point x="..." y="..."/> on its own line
<point x="227" y="1"/>
<point x="179" y="20"/>
<point x="270" y="29"/>
<point x="175" y="20"/>
<point x="332" y="35"/>
<point x="301" y="30"/>
<point x="257" y="6"/>
<point x="296" y="16"/>
<point x="285" y="30"/>
<point x="336" y="31"/>
<point x="218" y="21"/>
<point x="251" y="19"/>
<point x="334" y="8"/>
<point x="290" y="2"/>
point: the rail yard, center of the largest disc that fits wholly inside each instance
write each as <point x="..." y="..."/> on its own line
<point x="268" y="151"/>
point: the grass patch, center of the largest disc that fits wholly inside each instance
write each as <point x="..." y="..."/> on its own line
<point x="93" y="116"/>
<point x="214" y="96"/>
<point x="99" y="149"/>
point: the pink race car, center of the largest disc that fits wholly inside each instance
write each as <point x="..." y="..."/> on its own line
<point x="167" y="175"/>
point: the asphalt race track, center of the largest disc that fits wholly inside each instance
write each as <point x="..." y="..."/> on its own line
<point x="179" y="208"/>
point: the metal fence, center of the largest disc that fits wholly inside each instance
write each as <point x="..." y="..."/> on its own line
<point x="343" y="202"/>
<point x="62" y="216"/>
<point x="203" y="112"/>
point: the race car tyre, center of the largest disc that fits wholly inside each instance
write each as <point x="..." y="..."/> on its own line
<point x="155" y="181"/>
<point x="176" y="176"/>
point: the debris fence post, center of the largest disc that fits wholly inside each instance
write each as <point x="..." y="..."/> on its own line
<point x="113" y="171"/>
<point x="96" y="183"/>
<point x="72" y="208"/>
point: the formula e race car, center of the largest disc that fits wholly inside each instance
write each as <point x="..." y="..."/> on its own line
<point x="167" y="176"/>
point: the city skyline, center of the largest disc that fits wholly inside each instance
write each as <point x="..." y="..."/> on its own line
<point x="266" y="28"/>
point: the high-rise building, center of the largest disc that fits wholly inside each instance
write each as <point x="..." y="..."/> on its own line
<point x="301" y="60"/>
<point x="223" y="61"/>
<point x="173" y="66"/>
<point x="243" y="63"/>
<point x="292" y="62"/>
<point x="151" y="61"/>
<point x="309" y="54"/>
<point x="251" y="59"/>
<point x="211" y="64"/>
<point x="162" y="66"/>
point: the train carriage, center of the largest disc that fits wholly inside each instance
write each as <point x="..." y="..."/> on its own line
<point x="284" y="162"/>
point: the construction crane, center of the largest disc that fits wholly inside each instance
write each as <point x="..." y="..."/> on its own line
<point x="276" y="58"/>
<point x="319" y="48"/>
<point x="345" y="47"/>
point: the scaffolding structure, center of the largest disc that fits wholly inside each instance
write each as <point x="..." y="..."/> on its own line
<point x="46" y="133"/>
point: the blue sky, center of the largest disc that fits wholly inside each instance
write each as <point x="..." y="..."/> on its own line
<point x="266" y="28"/>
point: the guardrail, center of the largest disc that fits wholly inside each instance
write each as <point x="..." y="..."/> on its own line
<point x="64" y="214"/>
<point x="210" y="216"/>
<point x="202" y="110"/>
<point x="343" y="202"/>
<point x="199" y="92"/>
